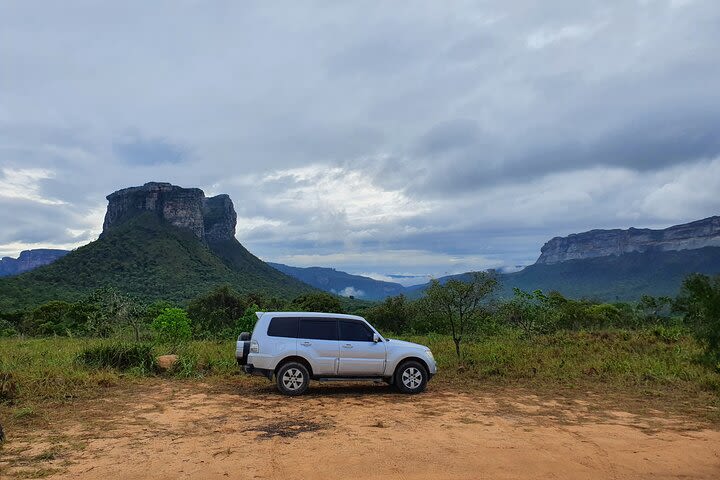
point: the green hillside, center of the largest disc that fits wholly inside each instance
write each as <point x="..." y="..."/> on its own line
<point x="625" y="277"/>
<point x="152" y="260"/>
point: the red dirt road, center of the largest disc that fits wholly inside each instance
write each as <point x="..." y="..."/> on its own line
<point x="169" y="430"/>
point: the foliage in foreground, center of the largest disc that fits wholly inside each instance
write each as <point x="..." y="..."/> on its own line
<point x="120" y="356"/>
<point x="651" y="359"/>
<point x="462" y="309"/>
<point x="700" y="300"/>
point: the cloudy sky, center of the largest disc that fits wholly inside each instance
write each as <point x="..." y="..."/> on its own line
<point x="385" y="138"/>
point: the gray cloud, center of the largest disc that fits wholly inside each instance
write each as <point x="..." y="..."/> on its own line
<point x="457" y="136"/>
<point x="142" y="151"/>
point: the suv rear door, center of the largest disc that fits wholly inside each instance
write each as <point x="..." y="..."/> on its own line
<point x="359" y="354"/>
<point x="318" y="343"/>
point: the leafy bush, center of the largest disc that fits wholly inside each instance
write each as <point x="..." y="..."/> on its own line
<point x="122" y="356"/>
<point x="7" y="329"/>
<point x="316" y="302"/>
<point x="246" y="323"/>
<point x="394" y="314"/>
<point x="670" y="334"/>
<point x="700" y="301"/>
<point x="216" y="312"/>
<point x="532" y="313"/>
<point x="56" y="318"/>
<point x="172" y="326"/>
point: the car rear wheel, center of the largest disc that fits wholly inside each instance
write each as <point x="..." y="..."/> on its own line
<point x="411" y="377"/>
<point x="293" y="379"/>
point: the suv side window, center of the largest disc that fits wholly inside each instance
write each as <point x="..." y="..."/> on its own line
<point x="283" y="327"/>
<point x="318" y="329"/>
<point x="354" y="331"/>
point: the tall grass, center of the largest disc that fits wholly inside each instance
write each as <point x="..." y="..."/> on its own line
<point x="630" y="359"/>
<point x="640" y="361"/>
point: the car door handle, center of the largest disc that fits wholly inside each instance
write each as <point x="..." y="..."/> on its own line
<point x="306" y="344"/>
<point x="347" y="345"/>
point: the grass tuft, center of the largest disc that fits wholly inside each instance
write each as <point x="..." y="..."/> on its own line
<point x="121" y="356"/>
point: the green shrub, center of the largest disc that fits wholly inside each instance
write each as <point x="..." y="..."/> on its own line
<point x="668" y="334"/>
<point x="122" y="356"/>
<point x="172" y="326"/>
<point x="216" y="312"/>
<point x="700" y="301"/>
<point x="246" y="323"/>
<point x="316" y="302"/>
<point x="7" y="329"/>
<point x="394" y="315"/>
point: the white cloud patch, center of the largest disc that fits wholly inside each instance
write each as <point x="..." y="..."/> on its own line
<point x="405" y="279"/>
<point x="545" y="37"/>
<point x="351" y="292"/>
<point x="246" y="225"/>
<point x="350" y="194"/>
<point x="24" y="184"/>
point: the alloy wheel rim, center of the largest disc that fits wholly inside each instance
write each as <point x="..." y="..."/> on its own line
<point x="293" y="378"/>
<point x="412" y="377"/>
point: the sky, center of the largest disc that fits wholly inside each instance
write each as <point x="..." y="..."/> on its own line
<point x="399" y="140"/>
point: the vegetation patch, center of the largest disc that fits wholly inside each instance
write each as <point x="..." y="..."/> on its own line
<point x="121" y="356"/>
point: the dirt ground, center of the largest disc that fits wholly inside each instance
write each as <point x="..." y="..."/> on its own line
<point x="170" y="430"/>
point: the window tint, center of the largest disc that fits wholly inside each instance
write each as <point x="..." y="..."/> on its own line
<point x="318" y="329"/>
<point x="283" y="327"/>
<point x="354" y="331"/>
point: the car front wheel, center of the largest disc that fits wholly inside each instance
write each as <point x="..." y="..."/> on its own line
<point x="293" y="379"/>
<point x="411" y="377"/>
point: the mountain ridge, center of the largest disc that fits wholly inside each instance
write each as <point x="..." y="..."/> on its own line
<point x="603" y="243"/>
<point x="653" y="264"/>
<point x="29" y="260"/>
<point x="342" y="283"/>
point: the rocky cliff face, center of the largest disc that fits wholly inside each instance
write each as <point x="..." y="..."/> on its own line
<point x="209" y="219"/>
<point x="601" y="243"/>
<point x="29" y="260"/>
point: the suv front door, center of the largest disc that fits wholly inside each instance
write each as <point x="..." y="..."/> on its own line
<point x="318" y="343"/>
<point x="359" y="354"/>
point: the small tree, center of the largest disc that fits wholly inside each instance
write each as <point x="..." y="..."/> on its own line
<point x="700" y="301"/>
<point x="393" y="314"/>
<point x="217" y="311"/>
<point x="108" y="310"/>
<point x="530" y="312"/>
<point x="460" y="304"/>
<point x="172" y="326"/>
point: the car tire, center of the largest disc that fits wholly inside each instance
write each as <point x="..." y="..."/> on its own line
<point x="293" y="378"/>
<point x="411" y="377"/>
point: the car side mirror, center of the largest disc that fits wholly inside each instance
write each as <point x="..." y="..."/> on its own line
<point x="376" y="337"/>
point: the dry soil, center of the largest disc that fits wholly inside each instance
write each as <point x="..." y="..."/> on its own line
<point x="171" y="430"/>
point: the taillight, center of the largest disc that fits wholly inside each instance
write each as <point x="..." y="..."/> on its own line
<point x="254" y="347"/>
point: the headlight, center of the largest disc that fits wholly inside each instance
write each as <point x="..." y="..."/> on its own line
<point x="429" y="354"/>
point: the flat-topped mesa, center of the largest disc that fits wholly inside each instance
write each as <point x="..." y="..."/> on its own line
<point x="602" y="243"/>
<point x="209" y="219"/>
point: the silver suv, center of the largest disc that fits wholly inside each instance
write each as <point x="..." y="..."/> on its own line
<point x="298" y="346"/>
